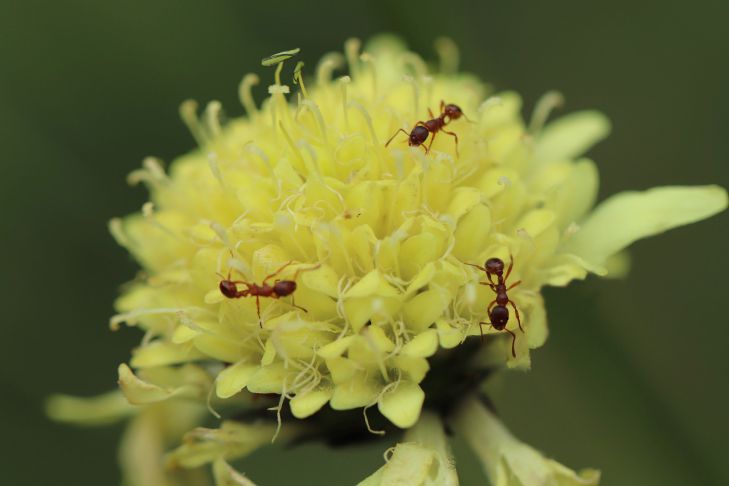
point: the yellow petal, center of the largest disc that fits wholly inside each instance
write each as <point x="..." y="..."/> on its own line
<point x="234" y="378"/>
<point x="472" y="232"/>
<point x="100" y="410"/>
<point x="324" y="279"/>
<point x="448" y="336"/>
<point x="225" y="475"/>
<point x="138" y="391"/>
<point x="230" y="441"/>
<point x="423" y="345"/>
<point x="359" y="391"/>
<point x="464" y="199"/>
<point x="536" y="221"/>
<point x="268" y="379"/>
<point x="403" y="405"/>
<point x="336" y="348"/>
<point x="630" y="216"/>
<point x="219" y="348"/>
<point x="414" y="368"/>
<point x="304" y="405"/>
<point x="422" y="310"/>
<point x="341" y="369"/>
<point x="417" y="251"/>
<point x="371" y="284"/>
<point x="571" y="136"/>
<point x="160" y="353"/>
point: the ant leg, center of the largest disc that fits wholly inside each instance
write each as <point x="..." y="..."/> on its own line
<point x="258" y="309"/>
<point x="476" y="266"/>
<point x="293" y="303"/>
<point x="454" y="136"/>
<point x="491" y="305"/>
<point x="278" y="271"/>
<point x="516" y="311"/>
<point x="399" y="130"/>
<point x="518" y="282"/>
<point x="511" y="265"/>
<point x="513" y="342"/>
<point x="442" y="105"/>
<point x="480" y="326"/>
<point x="430" y="112"/>
<point x="490" y="284"/>
<point x="431" y="142"/>
<point x="305" y="270"/>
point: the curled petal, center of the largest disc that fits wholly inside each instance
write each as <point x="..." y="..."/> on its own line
<point x="508" y="461"/>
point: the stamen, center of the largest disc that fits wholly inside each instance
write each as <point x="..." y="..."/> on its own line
<point x="328" y="63"/>
<point x="370" y="61"/>
<point x="116" y="228"/>
<point x="387" y="455"/>
<point x="448" y="54"/>
<point x="343" y="82"/>
<point x="313" y="166"/>
<point x="488" y="104"/>
<point x="131" y="318"/>
<point x="314" y="108"/>
<point x="151" y="173"/>
<point x="415" y="62"/>
<point x="148" y="213"/>
<point x="245" y="94"/>
<point x="212" y="118"/>
<point x="292" y="145"/>
<point x="351" y="50"/>
<point x="367" y="422"/>
<point x="215" y="168"/>
<point x="368" y="119"/>
<point x="280" y="89"/>
<point x="278" y="411"/>
<point x="279" y="57"/>
<point x="548" y="102"/>
<point x="209" y="401"/>
<point x="299" y="79"/>
<point x="571" y="229"/>
<point x="416" y="94"/>
<point x="221" y="232"/>
<point x="188" y="114"/>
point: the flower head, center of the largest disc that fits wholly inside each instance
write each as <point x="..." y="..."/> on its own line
<point x="373" y="246"/>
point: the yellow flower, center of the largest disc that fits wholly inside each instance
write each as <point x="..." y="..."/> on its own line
<point x="379" y="241"/>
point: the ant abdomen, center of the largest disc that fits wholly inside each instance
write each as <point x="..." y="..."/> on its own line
<point x="494" y="266"/>
<point x="228" y="289"/>
<point x="282" y="288"/>
<point x="453" y="112"/>
<point x="418" y="135"/>
<point x="499" y="317"/>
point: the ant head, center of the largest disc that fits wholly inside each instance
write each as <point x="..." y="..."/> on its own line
<point x="228" y="288"/>
<point x="282" y="288"/>
<point x="418" y="136"/>
<point x="494" y="265"/>
<point x="499" y="316"/>
<point x="452" y="111"/>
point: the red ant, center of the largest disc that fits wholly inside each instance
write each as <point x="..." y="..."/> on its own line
<point x="280" y="288"/>
<point x="497" y="310"/>
<point x="422" y="129"/>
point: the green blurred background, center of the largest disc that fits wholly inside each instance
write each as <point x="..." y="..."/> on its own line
<point x="634" y="377"/>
